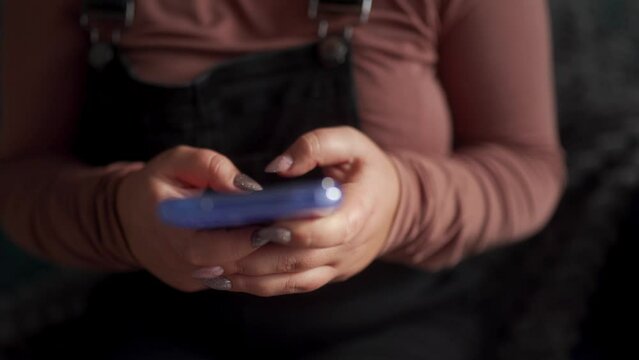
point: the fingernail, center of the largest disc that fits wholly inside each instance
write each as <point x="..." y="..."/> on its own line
<point x="257" y="241"/>
<point x="208" y="273"/>
<point x="219" y="283"/>
<point x="245" y="183"/>
<point x="264" y="236"/>
<point x="280" y="164"/>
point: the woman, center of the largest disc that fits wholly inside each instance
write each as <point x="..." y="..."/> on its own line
<point x="445" y="143"/>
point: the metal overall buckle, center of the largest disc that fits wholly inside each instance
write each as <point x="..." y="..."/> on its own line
<point x="333" y="50"/>
<point x="105" y="20"/>
<point x="358" y="11"/>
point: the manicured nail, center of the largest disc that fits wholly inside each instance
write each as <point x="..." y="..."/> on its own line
<point x="208" y="273"/>
<point x="219" y="283"/>
<point x="264" y="236"/>
<point x="280" y="164"/>
<point x="245" y="183"/>
<point x="257" y="241"/>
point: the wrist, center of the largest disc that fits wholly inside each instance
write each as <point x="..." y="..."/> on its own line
<point x="122" y="194"/>
<point x="393" y="193"/>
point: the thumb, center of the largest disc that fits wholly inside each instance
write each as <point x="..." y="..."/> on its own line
<point x="319" y="148"/>
<point x="203" y="168"/>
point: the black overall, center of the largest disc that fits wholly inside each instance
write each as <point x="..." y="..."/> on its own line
<point x="251" y="109"/>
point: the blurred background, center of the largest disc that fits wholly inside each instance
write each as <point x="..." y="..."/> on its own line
<point x="565" y="294"/>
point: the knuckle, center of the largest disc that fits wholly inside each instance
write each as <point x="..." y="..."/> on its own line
<point x="175" y="155"/>
<point x="237" y="268"/>
<point x="177" y="152"/>
<point x="344" y="235"/>
<point x="353" y="131"/>
<point x="305" y="237"/>
<point x="351" y="226"/>
<point x="217" y="163"/>
<point x="193" y="256"/>
<point x="263" y="290"/>
<point x="168" y="155"/>
<point x="287" y="264"/>
<point x="180" y="149"/>
<point x="293" y="286"/>
<point x="312" y="143"/>
<point x="355" y="220"/>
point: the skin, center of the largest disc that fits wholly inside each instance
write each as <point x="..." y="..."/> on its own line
<point x="338" y="246"/>
<point x="505" y="167"/>
<point x="42" y="100"/>
<point x="321" y="250"/>
<point x="173" y="254"/>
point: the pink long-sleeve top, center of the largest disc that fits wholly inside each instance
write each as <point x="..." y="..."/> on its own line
<point x="458" y="92"/>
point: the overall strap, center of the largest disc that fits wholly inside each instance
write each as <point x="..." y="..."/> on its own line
<point x="334" y="49"/>
<point x="105" y="20"/>
<point x="356" y="11"/>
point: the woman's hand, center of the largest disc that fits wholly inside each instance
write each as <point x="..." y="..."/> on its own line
<point x="330" y="248"/>
<point x="181" y="258"/>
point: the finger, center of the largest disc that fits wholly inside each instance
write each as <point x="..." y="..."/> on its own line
<point x="276" y="259"/>
<point x="203" y="168"/>
<point x="186" y="283"/>
<point x="179" y="275"/>
<point x="335" y="229"/>
<point x="217" y="247"/>
<point x="321" y="147"/>
<point x="273" y="285"/>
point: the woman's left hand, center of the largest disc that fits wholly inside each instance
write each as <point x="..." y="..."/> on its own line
<point x="334" y="247"/>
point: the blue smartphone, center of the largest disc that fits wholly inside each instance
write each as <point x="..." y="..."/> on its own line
<point x="288" y="201"/>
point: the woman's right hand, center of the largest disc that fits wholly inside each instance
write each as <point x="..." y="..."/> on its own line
<point x="173" y="254"/>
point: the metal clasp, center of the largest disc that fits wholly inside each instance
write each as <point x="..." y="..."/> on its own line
<point x="105" y="20"/>
<point x="110" y="17"/>
<point x="322" y="10"/>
